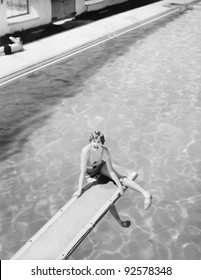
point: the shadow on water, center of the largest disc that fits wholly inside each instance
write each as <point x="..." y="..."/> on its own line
<point x="27" y="104"/>
<point x="19" y="135"/>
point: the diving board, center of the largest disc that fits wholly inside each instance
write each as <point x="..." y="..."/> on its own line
<point x="59" y="237"/>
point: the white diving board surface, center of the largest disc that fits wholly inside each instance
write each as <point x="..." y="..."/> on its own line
<point x="59" y="237"/>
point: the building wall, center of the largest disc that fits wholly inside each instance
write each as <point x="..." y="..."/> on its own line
<point x="3" y="21"/>
<point x="94" y="5"/>
<point x="36" y="17"/>
<point x="113" y="2"/>
<point x="80" y="6"/>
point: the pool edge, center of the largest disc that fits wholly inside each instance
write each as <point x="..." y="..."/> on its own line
<point x="44" y="62"/>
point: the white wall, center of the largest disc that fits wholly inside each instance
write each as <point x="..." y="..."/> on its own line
<point x="114" y="2"/>
<point x="102" y="4"/>
<point x="3" y="21"/>
<point x="40" y="13"/>
<point x="80" y="6"/>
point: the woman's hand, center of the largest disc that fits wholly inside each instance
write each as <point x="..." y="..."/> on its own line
<point x="121" y="190"/>
<point x="77" y="193"/>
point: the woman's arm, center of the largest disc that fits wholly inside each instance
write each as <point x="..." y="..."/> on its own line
<point x="83" y="167"/>
<point x="111" y="170"/>
<point x="13" y="39"/>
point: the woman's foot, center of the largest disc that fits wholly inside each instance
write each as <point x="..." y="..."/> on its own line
<point x="133" y="176"/>
<point x="147" y="202"/>
<point x="125" y="223"/>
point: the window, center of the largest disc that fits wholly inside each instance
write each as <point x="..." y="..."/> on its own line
<point x="17" y="8"/>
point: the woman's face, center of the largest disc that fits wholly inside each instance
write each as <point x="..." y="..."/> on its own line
<point x="96" y="144"/>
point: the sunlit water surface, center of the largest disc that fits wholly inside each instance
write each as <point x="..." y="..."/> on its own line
<point x="143" y="90"/>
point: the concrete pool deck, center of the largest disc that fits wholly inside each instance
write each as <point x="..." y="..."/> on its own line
<point x="56" y="47"/>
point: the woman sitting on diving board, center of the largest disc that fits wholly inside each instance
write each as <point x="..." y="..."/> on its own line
<point x="96" y="160"/>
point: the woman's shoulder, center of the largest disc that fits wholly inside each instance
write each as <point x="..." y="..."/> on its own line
<point x="85" y="149"/>
<point x="105" y="150"/>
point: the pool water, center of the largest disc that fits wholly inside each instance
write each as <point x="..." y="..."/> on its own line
<point x="143" y="90"/>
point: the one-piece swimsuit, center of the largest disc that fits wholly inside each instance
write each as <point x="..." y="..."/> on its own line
<point x="96" y="166"/>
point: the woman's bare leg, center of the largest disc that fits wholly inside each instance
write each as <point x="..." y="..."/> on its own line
<point x="130" y="184"/>
<point x="1" y="49"/>
<point x="115" y="214"/>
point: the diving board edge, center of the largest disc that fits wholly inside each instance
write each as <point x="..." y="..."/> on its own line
<point x="87" y="229"/>
<point x="46" y="226"/>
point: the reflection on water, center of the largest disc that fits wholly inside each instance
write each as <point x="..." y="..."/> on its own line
<point x="143" y="91"/>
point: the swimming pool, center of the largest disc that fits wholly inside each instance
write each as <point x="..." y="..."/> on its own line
<point x="143" y="91"/>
